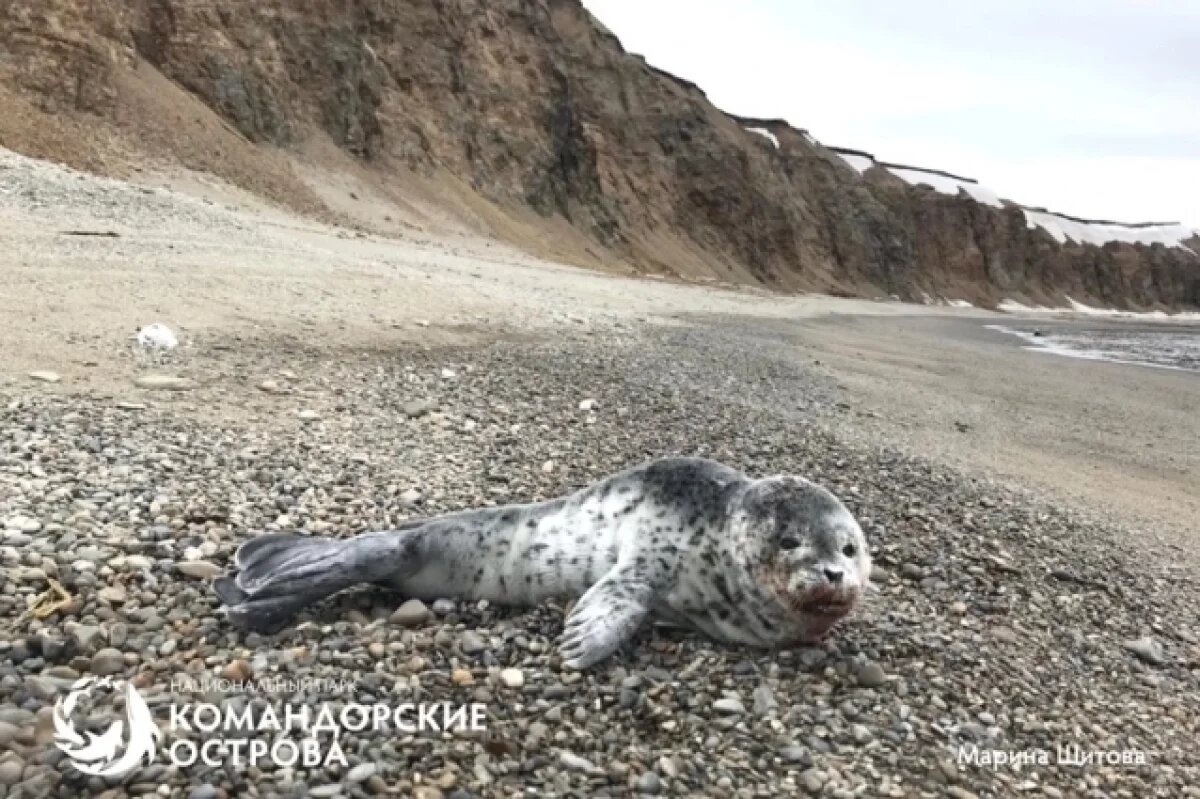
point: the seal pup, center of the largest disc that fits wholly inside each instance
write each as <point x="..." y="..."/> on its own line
<point x="687" y="541"/>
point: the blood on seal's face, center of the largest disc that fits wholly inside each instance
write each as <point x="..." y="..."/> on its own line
<point x="812" y="555"/>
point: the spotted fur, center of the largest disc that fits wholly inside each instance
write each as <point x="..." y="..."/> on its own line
<point x="685" y="540"/>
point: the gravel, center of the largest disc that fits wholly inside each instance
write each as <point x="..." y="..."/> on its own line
<point x="967" y="640"/>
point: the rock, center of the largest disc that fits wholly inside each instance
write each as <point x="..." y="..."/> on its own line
<point x="512" y="678"/>
<point x="617" y="771"/>
<point x="649" y="782"/>
<point x="449" y="374"/>
<point x="85" y="636"/>
<point x="471" y="644"/>
<point x="269" y="386"/>
<point x="237" y="670"/>
<point x="205" y="791"/>
<point x="157" y="336"/>
<point x="308" y="416"/>
<point x="587" y="405"/>
<point x="1147" y="650"/>
<point x="870" y="675"/>
<point x="361" y="773"/>
<point x="114" y="594"/>
<point x="45" y="376"/>
<point x="108" y="661"/>
<point x="860" y="733"/>
<point x="729" y="705"/>
<point x="958" y="792"/>
<point x="462" y="676"/>
<point x="11" y="768"/>
<point x="574" y="762"/>
<point x="23" y="524"/>
<point x="414" y="409"/>
<point x="1005" y="634"/>
<point x="412" y="613"/>
<point x="796" y="754"/>
<point x="764" y="699"/>
<point x="118" y="634"/>
<point x="325" y="791"/>
<point x="444" y="607"/>
<point x="164" y="382"/>
<point x="198" y="569"/>
<point x="813" y="780"/>
<point x="410" y="497"/>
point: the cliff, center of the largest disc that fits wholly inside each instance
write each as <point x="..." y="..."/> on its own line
<point x="525" y="119"/>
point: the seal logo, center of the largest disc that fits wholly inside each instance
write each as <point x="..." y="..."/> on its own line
<point x="97" y="755"/>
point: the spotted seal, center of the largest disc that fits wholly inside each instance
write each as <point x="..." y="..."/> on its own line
<point x="687" y="541"/>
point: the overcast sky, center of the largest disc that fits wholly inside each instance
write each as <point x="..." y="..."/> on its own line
<point x="1090" y="107"/>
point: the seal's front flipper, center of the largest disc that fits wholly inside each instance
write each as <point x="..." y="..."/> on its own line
<point x="606" y="616"/>
<point x="279" y="575"/>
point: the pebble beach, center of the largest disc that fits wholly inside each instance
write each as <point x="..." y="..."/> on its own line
<point x="998" y="623"/>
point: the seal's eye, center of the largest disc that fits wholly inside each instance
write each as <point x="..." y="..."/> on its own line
<point x="849" y="550"/>
<point x="789" y="542"/>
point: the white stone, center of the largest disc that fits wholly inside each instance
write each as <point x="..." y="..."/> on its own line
<point x="157" y="336"/>
<point x="513" y="678"/>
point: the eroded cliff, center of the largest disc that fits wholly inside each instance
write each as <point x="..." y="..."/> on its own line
<point x="527" y="119"/>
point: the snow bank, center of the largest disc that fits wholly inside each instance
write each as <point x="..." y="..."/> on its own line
<point x="959" y="304"/>
<point x="947" y="184"/>
<point x="767" y="134"/>
<point x="1064" y="228"/>
<point x="861" y="163"/>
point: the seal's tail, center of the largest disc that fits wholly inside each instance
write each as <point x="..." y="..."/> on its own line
<point x="278" y="575"/>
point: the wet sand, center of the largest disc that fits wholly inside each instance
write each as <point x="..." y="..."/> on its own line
<point x="1118" y="439"/>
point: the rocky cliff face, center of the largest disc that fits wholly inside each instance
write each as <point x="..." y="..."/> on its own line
<point x="535" y="106"/>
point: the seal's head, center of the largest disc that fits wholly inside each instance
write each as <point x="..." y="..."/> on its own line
<point x="811" y="554"/>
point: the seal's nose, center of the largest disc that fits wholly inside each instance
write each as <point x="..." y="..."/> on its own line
<point x="834" y="576"/>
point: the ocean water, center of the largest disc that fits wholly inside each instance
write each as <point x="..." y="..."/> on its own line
<point x="1163" y="346"/>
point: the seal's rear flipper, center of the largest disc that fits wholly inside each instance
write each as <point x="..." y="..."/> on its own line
<point x="228" y="592"/>
<point x="606" y="616"/>
<point x="279" y="575"/>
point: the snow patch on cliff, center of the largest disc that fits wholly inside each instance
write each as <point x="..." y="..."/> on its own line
<point x="1064" y="228"/>
<point x="947" y="184"/>
<point x="766" y="134"/>
<point x="861" y="163"/>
